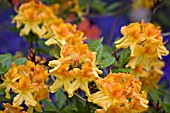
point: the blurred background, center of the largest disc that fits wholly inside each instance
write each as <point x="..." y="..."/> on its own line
<point x="96" y="18"/>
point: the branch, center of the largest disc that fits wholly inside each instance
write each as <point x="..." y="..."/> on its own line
<point x="166" y="34"/>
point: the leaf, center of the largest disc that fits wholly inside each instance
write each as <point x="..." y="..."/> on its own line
<point x="166" y="99"/>
<point x="107" y="49"/>
<point x="155" y="95"/>
<point x="112" y="7"/>
<point x="5" y="57"/>
<point x="99" y="51"/>
<point x="48" y="105"/>
<point x="124" y="57"/>
<point x="107" y="62"/>
<point x="166" y="107"/>
<point x="55" y="51"/>
<point x="20" y="61"/>
<point x="60" y="98"/>
<point x="95" y="44"/>
<point x="124" y="70"/>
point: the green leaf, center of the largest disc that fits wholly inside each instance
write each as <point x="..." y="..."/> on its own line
<point x="5" y="57"/>
<point x="48" y="105"/>
<point x="20" y="61"/>
<point x="166" y="99"/>
<point x="60" y="98"/>
<point x="155" y="95"/>
<point x="95" y="44"/>
<point x="124" y="70"/>
<point x="166" y="107"/>
<point x="99" y="51"/>
<point x="55" y="51"/>
<point x="107" y="62"/>
<point x="124" y="57"/>
<point x="112" y="7"/>
<point x="107" y="49"/>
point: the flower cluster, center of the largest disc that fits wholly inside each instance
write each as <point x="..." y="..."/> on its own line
<point x="32" y="16"/>
<point x="28" y="82"/>
<point x="145" y="42"/>
<point x="77" y="63"/>
<point x="119" y="93"/>
<point x="75" y="66"/>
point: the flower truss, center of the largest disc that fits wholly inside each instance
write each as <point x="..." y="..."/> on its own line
<point x="119" y="93"/>
<point x="77" y="63"/>
<point x="145" y="42"/>
<point x="28" y="82"/>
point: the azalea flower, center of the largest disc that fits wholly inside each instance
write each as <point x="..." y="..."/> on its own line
<point x="9" y="78"/>
<point x="119" y="93"/>
<point x="10" y="108"/>
<point x="32" y="14"/>
<point x="74" y="69"/>
<point x="90" y="31"/>
<point x="61" y="33"/>
<point x="145" y="42"/>
<point x="155" y="75"/>
<point x="24" y="90"/>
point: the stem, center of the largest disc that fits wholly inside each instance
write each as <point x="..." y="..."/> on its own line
<point x="166" y="34"/>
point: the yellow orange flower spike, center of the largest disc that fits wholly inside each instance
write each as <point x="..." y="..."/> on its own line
<point x="74" y="69"/>
<point x="119" y="93"/>
<point x="32" y="15"/>
<point x="145" y="42"/>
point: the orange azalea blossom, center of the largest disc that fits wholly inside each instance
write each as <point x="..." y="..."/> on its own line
<point x="90" y="31"/>
<point x="76" y="62"/>
<point x="145" y="42"/>
<point x="155" y="75"/>
<point x="11" y="109"/>
<point x="139" y="72"/>
<point x="147" y="4"/>
<point x="37" y="76"/>
<point x="25" y="90"/>
<point x="119" y="93"/>
<point x="61" y="33"/>
<point x="32" y="15"/>
<point x="31" y="87"/>
<point x="10" y="77"/>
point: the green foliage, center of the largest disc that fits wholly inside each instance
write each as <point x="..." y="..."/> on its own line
<point x="60" y="99"/>
<point x="107" y="60"/>
<point x="5" y="63"/>
<point x="124" y="57"/>
<point x="155" y="95"/>
<point x="20" y="61"/>
<point x="48" y="106"/>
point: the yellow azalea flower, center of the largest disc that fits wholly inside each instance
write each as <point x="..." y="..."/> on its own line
<point x="87" y="73"/>
<point x="24" y="89"/>
<point x="12" y="109"/>
<point x="155" y="75"/>
<point x="32" y="15"/>
<point x="10" y="77"/>
<point x="75" y="62"/>
<point x="139" y="72"/>
<point x="147" y="4"/>
<point x="61" y="33"/>
<point x="131" y="37"/>
<point x="145" y="42"/>
<point x="119" y="93"/>
<point x="63" y="77"/>
<point x="77" y="9"/>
